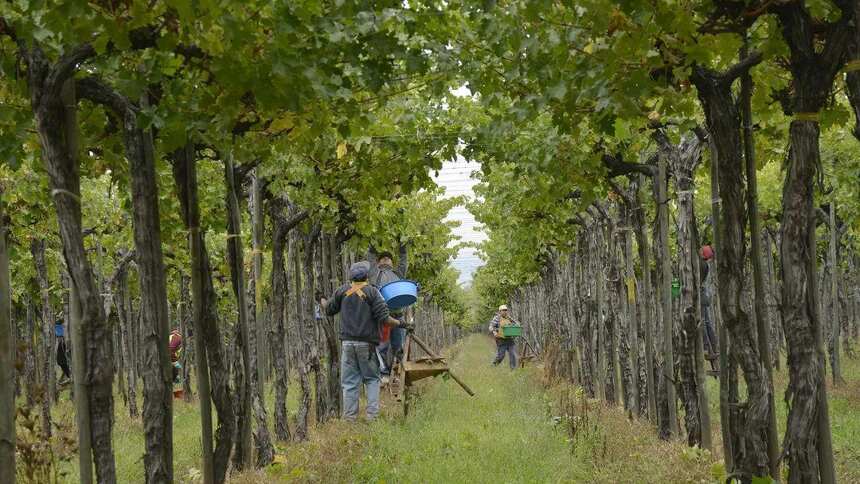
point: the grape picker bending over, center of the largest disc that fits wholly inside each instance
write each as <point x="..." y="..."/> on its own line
<point x="363" y="313"/>
<point x="382" y="272"/>
<point x="62" y="358"/>
<point x="707" y="292"/>
<point x="504" y="343"/>
<point x="175" y="345"/>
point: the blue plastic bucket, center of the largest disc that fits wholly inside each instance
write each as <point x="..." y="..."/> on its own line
<point x="400" y="294"/>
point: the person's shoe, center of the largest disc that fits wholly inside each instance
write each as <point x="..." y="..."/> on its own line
<point x="64" y="381"/>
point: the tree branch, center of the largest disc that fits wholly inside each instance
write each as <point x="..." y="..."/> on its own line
<point x="96" y="90"/>
<point x="617" y="166"/>
<point x="628" y="200"/>
<point x="602" y="211"/>
<point x="296" y="219"/>
<point x="65" y="67"/>
<point x="6" y="29"/>
<point x="742" y="66"/>
<point x="120" y="265"/>
<point x="241" y="171"/>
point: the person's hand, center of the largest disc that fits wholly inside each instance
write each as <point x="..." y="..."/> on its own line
<point x="392" y="322"/>
<point x="408" y="326"/>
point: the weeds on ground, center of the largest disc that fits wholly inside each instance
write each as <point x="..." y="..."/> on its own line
<point x="39" y="456"/>
<point x="616" y="449"/>
<point x="570" y="409"/>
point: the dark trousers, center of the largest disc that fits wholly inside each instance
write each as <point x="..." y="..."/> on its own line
<point x="709" y="337"/>
<point x="61" y="358"/>
<point x="398" y="336"/>
<point x="509" y="346"/>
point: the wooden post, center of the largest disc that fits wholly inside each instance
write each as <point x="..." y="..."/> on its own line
<point x="646" y="300"/>
<point x="725" y="414"/>
<point x="234" y="242"/>
<point x="762" y="326"/>
<point x="834" y="297"/>
<point x="632" y="314"/>
<point x="7" y="364"/>
<point x="195" y="243"/>
<point x="598" y="299"/>
<point x="82" y="405"/>
<point x="666" y="292"/>
<point x="257" y="221"/>
<point x="826" y="466"/>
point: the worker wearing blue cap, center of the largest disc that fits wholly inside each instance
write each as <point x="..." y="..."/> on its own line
<point x="363" y="312"/>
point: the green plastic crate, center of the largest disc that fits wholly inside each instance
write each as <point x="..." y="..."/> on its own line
<point x="511" y="331"/>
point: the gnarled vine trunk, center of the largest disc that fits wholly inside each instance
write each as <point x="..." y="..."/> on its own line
<point x="7" y="361"/>
<point x="56" y="125"/>
<point x="750" y="457"/>
<point x="684" y="160"/>
<point x="814" y="65"/>
<point x="156" y="370"/>
<point x="37" y="250"/>
<point x="209" y="349"/>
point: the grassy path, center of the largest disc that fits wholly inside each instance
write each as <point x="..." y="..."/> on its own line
<point x="508" y="433"/>
<point x="503" y="434"/>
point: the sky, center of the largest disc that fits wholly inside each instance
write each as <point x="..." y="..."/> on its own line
<point x="455" y="177"/>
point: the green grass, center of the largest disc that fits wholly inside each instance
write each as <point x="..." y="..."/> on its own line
<point x="844" y="406"/>
<point x="128" y="441"/>
<point x="128" y="437"/>
<point x="503" y="434"/>
<point x="507" y="433"/>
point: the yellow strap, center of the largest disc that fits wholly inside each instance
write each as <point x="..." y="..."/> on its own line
<point x="356" y="289"/>
<point x="852" y="66"/>
<point x="811" y="117"/>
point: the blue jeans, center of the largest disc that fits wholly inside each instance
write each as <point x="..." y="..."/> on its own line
<point x="709" y="338"/>
<point x="398" y="335"/>
<point x="508" y="345"/>
<point x="359" y="365"/>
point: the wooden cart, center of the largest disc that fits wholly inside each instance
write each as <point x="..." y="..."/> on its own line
<point x="529" y="353"/>
<point x="409" y="370"/>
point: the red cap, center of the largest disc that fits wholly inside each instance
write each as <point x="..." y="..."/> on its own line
<point x="706" y="252"/>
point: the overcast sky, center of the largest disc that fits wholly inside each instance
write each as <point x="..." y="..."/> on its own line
<point x="455" y="177"/>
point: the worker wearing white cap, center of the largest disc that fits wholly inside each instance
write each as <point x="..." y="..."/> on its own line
<point x="503" y="344"/>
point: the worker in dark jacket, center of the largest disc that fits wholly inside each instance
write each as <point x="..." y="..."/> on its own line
<point x="382" y="272"/>
<point x="362" y="314"/>
<point x="504" y="344"/>
<point x="706" y="299"/>
<point x="62" y="358"/>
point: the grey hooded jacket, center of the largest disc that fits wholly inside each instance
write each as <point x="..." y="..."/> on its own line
<point x="382" y="275"/>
